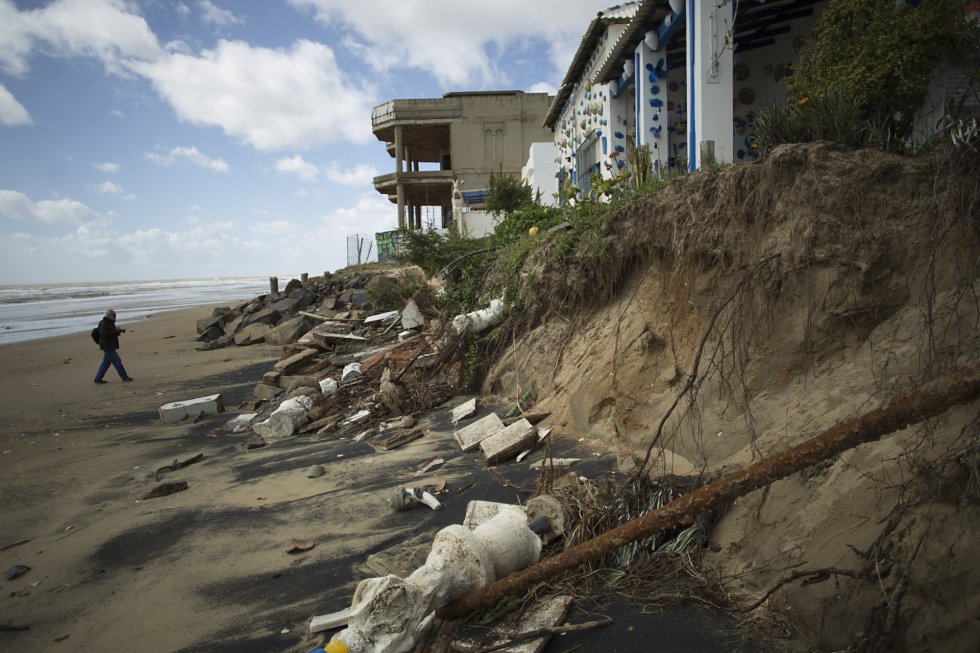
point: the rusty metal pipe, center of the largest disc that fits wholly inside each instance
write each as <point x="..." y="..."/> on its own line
<point x="929" y="400"/>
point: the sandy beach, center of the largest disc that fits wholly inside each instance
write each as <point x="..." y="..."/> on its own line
<point x="205" y="569"/>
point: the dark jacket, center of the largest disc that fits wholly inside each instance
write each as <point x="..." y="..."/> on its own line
<point x="108" y="335"/>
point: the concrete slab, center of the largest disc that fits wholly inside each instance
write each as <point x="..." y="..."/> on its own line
<point x="509" y="441"/>
<point x="463" y="411"/>
<point x="471" y="436"/>
<point x="177" y="410"/>
<point x="548" y="613"/>
<point x="380" y="317"/>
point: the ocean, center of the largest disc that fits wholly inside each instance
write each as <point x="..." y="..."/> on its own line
<point x="30" y="312"/>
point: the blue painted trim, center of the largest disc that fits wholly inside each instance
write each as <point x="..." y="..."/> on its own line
<point x="691" y="93"/>
<point x="622" y="85"/>
<point x="637" y="100"/>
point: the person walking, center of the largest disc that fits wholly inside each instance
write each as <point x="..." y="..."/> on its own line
<point x="109" y="344"/>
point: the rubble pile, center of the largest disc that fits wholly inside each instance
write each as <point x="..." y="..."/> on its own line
<point x="283" y="317"/>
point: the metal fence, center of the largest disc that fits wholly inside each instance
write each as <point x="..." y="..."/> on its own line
<point x="360" y="249"/>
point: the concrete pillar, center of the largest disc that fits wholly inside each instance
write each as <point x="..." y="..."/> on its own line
<point x="709" y="81"/>
<point x="652" y="116"/>
<point x="418" y="216"/>
<point x="401" y="206"/>
<point x="273" y="285"/>
<point x="304" y="277"/>
<point x="399" y="149"/>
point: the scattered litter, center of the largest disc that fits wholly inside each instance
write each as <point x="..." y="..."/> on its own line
<point x="395" y="438"/>
<point x="71" y="530"/>
<point x="356" y="417"/>
<point x="429" y="465"/>
<point x="16" y="571"/>
<point x="554" y="462"/>
<point x="380" y="318"/>
<point x="300" y="546"/>
<point x="62" y="638"/>
<point x="316" y="471"/>
<point x="405" y="498"/>
<point x="175" y="465"/>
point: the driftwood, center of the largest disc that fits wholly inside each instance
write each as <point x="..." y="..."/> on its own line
<point x="544" y="632"/>
<point x="927" y="401"/>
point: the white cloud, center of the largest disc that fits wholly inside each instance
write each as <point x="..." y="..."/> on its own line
<point x="106" y="166"/>
<point x="372" y="213"/>
<point x="12" y="112"/>
<point x="19" y="206"/>
<point x="452" y="39"/>
<point x="360" y="175"/>
<point x="214" y="15"/>
<point x="543" y="87"/>
<point x="191" y="154"/>
<point x="298" y="166"/>
<point x="109" y="188"/>
<point x="117" y="113"/>
<point x="270" y="98"/>
<point x="182" y="9"/>
<point x="103" y="29"/>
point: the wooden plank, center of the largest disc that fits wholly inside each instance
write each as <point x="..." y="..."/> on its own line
<point x="329" y="621"/>
<point x="395" y="438"/>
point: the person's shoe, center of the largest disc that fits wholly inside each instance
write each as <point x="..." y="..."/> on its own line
<point x="127" y="379"/>
<point x="100" y="381"/>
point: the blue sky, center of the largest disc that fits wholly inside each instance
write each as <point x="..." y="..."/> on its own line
<point x="155" y="139"/>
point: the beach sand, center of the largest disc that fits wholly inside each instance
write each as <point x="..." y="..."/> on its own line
<point x="205" y="569"/>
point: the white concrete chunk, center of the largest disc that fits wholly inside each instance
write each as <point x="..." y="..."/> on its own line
<point x="479" y="512"/>
<point x="554" y="462"/>
<point x="471" y="436"/>
<point x="351" y="373"/>
<point x="356" y="417"/>
<point x="464" y="410"/>
<point x="175" y="411"/>
<point x="509" y="441"/>
<point x="284" y="421"/>
<point x="412" y="316"/>
<point x="328" y="387"/>
<point x="240" y="423"/>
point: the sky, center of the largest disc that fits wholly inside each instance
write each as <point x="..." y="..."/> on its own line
<point x="160" y="139"/>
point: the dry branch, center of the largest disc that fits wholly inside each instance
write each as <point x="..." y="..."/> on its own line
<point x="922" y="403"/>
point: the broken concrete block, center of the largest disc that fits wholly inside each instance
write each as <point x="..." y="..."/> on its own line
<point x="251" y="334"/>
<point x="463" y="411"/>
<point x="295" y="361"/>
<point x="352" y="372"/>
<point x="175" y="411"/>
<point x="289" y="331"/>
<point x="356" y="417"/>
<point x="548" y="613"/>
<point x="265" y="391"/>
<point x="241" y="423"/>
<point x="471" y="436"/>
<point x="328" y="387"/>
<point x="284" y="421"/>
<point x="508" y="442"/>
<point x="412" y="316"/>
<point x="268" y="316"/>
<point x="478" y="512"/>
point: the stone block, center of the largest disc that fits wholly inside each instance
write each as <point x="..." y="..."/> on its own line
<point x="252" y="334"/>
<point x="471" y="436"/>
<point x="289" y="331"/>
<point x="266" y="391"/>
<point x="463" y="411"/>
<point x="509" y="441"/>
<point x="295" y="361"/>
<point x="176" y="411"/>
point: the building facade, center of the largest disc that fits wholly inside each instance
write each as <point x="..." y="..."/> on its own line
<point x="461" y="138"/>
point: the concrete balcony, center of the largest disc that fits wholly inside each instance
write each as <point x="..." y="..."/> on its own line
<point x="426" y="188"/>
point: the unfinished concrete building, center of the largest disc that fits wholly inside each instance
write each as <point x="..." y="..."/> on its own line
<point x="460" y="136"/>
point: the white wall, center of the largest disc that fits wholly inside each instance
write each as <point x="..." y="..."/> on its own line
<point x="540" y="170"/>
<point x="476" y="224"/>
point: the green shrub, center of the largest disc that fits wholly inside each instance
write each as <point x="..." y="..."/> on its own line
<point x="836" y="116"/>
<point x="507" y="194"/>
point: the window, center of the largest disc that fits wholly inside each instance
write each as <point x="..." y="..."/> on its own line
<point x="587" y="162"/>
